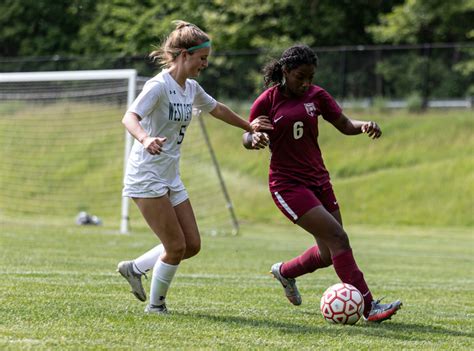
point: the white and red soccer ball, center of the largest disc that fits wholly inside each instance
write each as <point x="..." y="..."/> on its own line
<point x="342" y="304"/>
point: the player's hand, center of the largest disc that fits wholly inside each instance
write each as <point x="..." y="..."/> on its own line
<point x="372" y="129"/>
<point x="153" y="145"/>
<point x="259" y="140"/>
<point x="261" y="123"/>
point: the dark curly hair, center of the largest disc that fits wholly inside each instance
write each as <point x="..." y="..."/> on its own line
<point x="291" y="58"/>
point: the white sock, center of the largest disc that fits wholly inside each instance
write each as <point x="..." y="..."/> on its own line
<point x="163" y="274"/>
<point x="146" y="261"/>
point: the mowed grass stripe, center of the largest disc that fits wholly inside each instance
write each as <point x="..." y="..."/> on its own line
<point x="61" y="291"/>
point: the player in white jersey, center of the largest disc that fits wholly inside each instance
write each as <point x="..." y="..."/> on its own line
<point x="158" y="119"/>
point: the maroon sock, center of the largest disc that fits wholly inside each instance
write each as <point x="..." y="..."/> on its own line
<point x="307" y="262"/>
<point x="347" y="270"/>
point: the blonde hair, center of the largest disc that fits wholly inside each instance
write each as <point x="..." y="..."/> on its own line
<point x="184" y="36"/>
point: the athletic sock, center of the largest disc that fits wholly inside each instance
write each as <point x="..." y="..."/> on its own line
<point x="163" y="274"/>
<point x="146" y="261"/>
<point x="307" y="262"/>
<point x="347" y="270"/>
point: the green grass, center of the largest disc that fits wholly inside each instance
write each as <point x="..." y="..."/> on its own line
<point x="60" y="291"/>
<point x="407" y="201"/>
<point x="420" y="172"/>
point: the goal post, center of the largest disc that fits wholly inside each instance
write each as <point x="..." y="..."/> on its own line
<point x="230" y="207"/>
<point x="59" y="138"/>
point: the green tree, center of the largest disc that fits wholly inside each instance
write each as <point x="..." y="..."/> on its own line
<point x="41" y="27"/>
<point x="425" y="21"/>
<point x="250" y="24"/>
<point x="428" y="21"/>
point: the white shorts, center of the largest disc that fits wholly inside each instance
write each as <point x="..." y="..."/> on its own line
<point x="176" y="196"/>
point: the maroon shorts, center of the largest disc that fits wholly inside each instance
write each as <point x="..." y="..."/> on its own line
<point x="296" y="201"/>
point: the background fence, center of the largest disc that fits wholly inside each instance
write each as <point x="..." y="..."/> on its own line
<point x="394" y="73"/>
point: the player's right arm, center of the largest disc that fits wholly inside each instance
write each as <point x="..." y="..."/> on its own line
<point x="141" y="108"/>
<point x="153" y="145"/>
<point x="255" y="141"/>
<point x="258" y="117"/>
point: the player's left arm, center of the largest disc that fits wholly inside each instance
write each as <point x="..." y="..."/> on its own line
<point x="350" y="126"/>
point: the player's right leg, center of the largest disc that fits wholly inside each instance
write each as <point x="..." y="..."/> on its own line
<point x="294" y="203"/>
<point x="380" y="312"/>
<point x="133" y="270"/>
<point x="327" y="228"/>
<point x="134" y="278"/>
<point x="161" y="217"/>
<point x="321" y="224"/>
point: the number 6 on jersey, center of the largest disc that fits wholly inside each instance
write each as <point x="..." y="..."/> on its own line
<point x="298" y="130"/>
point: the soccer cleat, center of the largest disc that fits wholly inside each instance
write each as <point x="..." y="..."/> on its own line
<point x="289" y="284"/>
<point x="125" y="268"/>
<point x="381" y="312"/>
<point x="152" y="309"/>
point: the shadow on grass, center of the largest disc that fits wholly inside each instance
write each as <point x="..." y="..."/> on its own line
<point x="390" y="329"/>
<point x="413" y="331"/>
<point x="287" y="327"/>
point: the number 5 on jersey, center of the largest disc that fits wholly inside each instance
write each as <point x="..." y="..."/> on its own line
<point x="181" y="134"/>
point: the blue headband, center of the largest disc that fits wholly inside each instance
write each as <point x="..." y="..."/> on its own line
<point x="206" y="44"/>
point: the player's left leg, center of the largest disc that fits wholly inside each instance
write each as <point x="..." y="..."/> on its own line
<point x="318" y="256"/>
<point x="309" y="261"/>
<point x="187" y="220"/>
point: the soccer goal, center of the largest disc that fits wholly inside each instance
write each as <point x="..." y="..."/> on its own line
<point x="63" y="151"/>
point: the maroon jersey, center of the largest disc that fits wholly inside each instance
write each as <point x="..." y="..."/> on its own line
<point x="296" y="156"/>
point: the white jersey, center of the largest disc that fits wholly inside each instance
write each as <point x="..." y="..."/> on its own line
<point x="166" y="111"/>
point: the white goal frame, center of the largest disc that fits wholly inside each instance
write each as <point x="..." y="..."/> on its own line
<point x="129" y="74"/>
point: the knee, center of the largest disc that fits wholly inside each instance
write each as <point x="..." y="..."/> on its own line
<point x="175" y="251"/>
<point x="326" y="260"/>
<point x="340" y="240"/>
<point x="192" y="249"/>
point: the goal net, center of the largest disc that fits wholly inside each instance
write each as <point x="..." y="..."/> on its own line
<point x="63" y="149"/>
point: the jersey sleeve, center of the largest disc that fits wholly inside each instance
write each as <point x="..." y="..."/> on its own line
<point x="261" y="106"/>
<point x="202" y="100"/>
<point x="148" y="98"/>
<point x="330" y="110"/>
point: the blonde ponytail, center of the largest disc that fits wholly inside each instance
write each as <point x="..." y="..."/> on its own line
<point x="185" y="36"/>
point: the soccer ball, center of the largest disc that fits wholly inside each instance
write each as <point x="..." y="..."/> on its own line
<point x="342" y="304"/>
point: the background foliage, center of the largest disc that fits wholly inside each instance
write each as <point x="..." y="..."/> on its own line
<point x="84" y="34"/>
<point x="131" y="27"/>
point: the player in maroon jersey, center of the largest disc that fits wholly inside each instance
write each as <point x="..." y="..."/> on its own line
<point x="298" y="179"/>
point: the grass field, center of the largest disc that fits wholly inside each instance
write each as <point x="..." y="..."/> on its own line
<point x="420" y="172"/>
<point x="407" y="201"/>
<point x="60" y="291"/>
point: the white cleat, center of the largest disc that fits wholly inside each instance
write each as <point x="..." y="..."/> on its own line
<point x="125" y="268"/>
<point x="289" y="284"/>
<point x="152" y="309"/>
<point x="382" y="312"/>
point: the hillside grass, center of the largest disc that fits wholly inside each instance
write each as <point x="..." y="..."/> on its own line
<point x="60" y="291"/>
<point x="407" y="201"/>
<point x="420" y="172"/>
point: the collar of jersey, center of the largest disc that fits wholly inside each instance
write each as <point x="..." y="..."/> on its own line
<point x="178" y="87"/>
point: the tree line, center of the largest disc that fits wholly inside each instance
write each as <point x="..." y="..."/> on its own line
<point x="117" y="32"/>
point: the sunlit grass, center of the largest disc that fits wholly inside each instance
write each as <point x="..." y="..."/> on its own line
<point x="60" y="291"/>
